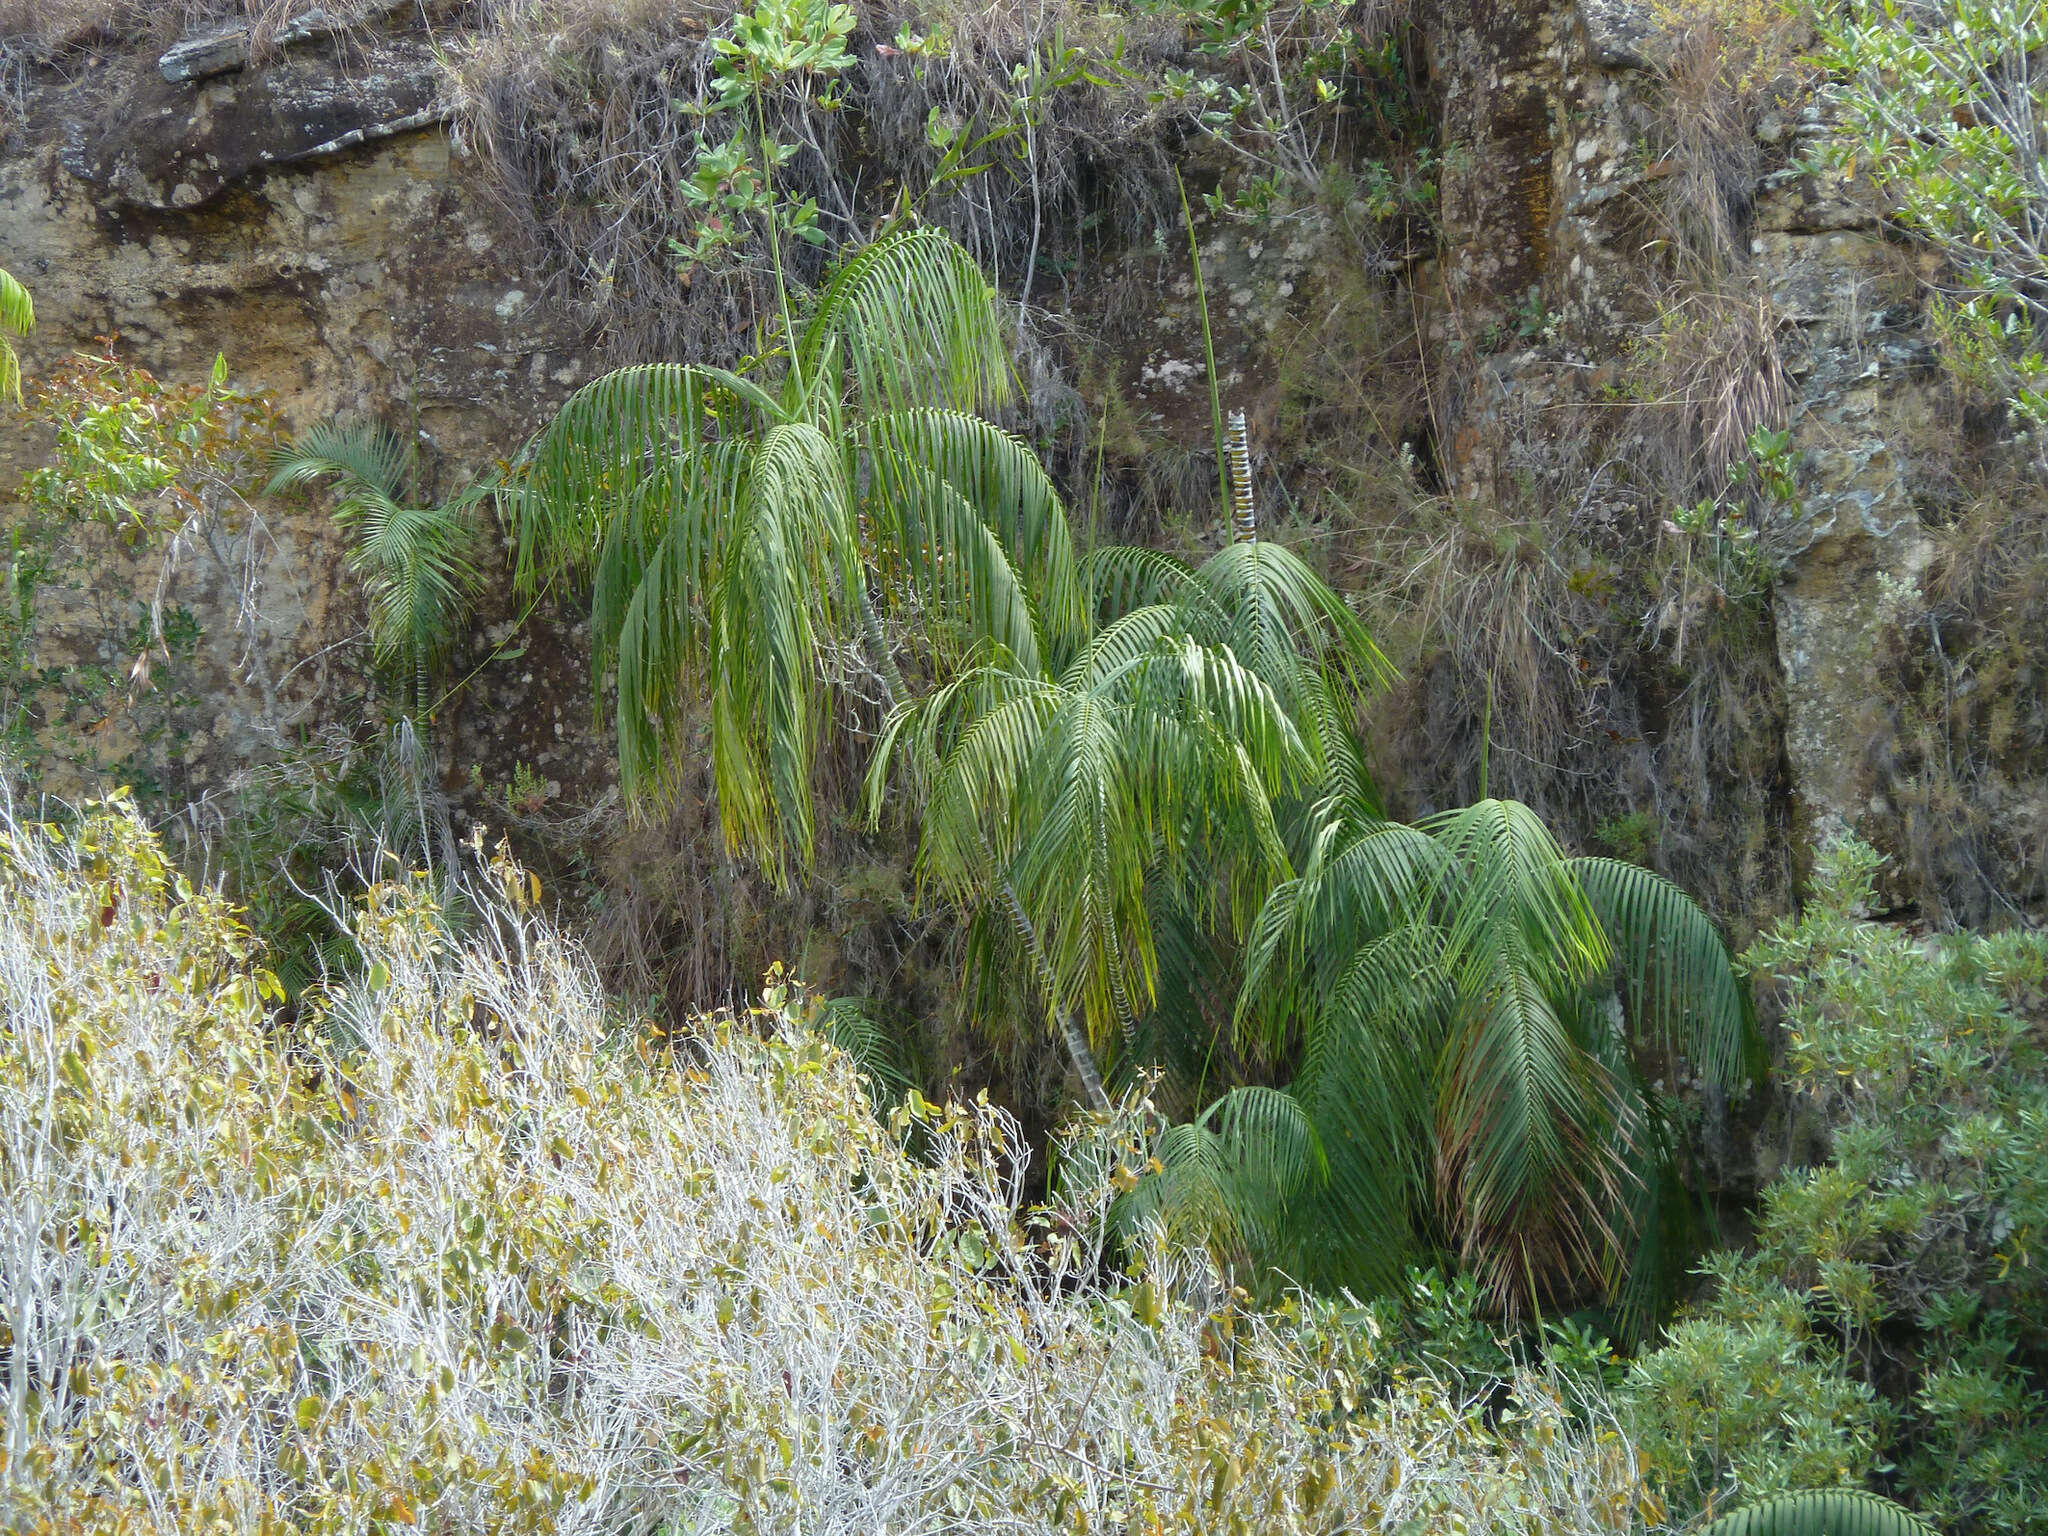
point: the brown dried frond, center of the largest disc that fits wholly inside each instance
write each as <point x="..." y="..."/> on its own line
<point x="1728" y="63"/>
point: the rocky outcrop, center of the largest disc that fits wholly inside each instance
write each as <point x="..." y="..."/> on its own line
<point x="179" y="143"/>
<point x="306" y="219"/>
<point x="1561" y="102"/>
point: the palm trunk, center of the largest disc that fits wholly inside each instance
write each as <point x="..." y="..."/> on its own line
<point x="1082" y="1059"/>
<point x="1073" y="1033"/>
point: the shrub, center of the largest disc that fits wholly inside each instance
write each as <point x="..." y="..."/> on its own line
<point x="1906" y="1263"/>
<point x="459" y="1248"/>
<point x="1940" y="104"/>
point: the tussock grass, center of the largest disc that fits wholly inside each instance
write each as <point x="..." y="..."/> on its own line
<point x="590" y="115"/>
<point x="53" y="27"/>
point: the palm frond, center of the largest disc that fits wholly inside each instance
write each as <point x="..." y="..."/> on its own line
<point x="608" y="439"/>
<point x="1365" y="1075"/>
<point x="18" y="315"/>
<point x="356" y="455"/>
<point x="1119" y="578"/>
<point x="17" y="308"/>
<point x="1282" y="618"/>
<point x="775" y="592"/>
<point x="917" y="324"/>
<point x="417" y="565"/>
<point x="1821" y="1512"/>
<point x="1682" y="986"/>
<point x="1510" y="896"/>
<point x="1227" y="1177"/>
<point x="852" y="1024"/>
<point x="1007" y="489"/>
<point x="1524" y="1164"/>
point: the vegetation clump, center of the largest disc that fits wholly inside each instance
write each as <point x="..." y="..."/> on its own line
<point x="1893" y="1313"/>
<point x="460" y="1248"/>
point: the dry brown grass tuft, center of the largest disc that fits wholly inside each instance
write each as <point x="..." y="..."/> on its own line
<point x="590" y="114"/>
<point x="1729" y="63"/>
<point x="50" y="28"/>
<point x="1967" y="749"/>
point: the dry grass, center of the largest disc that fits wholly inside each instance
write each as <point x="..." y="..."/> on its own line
<point x="589" y="116"/>
<point x="1729" y="62"/>
<point x="1966" y="676"/>
<point x="51" y="28"/>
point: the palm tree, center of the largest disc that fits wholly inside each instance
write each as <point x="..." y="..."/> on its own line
<point x="1471" y="1020"/>
<point x="746" y="539"/>
<point x="1084" y="814"/>
<point x="1127" y="767"/>
<point x="1056" y="801"/>
<point x="17" y="317"/>
<point x="738" y="535"/>
<point x="417" y="563"/>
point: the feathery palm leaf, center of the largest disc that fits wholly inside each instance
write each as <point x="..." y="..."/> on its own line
<point x="1681" y="990"/>
<point x="17" y="315"/>
<point x="1452" y="1050"/>
<point x="417" y="565"/>
<point x="1228" y="1174"/>
<point x="913" y="321"/>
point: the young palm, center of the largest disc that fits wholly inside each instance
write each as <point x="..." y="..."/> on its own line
<point x="17" y="318"/>
<point x="1473" y="1016"/>
<point x="1058" y="802"/>
<point x="417" y="564"/>
<point x="735" y="532"/>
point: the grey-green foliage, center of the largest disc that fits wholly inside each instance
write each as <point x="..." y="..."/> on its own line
<point x="416" y="563"/>
<point x="1895" y="1297"/>
<point x="1942" y="105"/>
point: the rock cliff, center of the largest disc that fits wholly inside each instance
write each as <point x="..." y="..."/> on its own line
<point x="306" y="210"/>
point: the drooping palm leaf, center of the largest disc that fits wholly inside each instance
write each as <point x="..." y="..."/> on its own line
<point x="17" y="316"/>
<point x="1681" y="984"/>
<point x="417" y="564"/>
<point x="1821" y="1512"/>
<point x="913" y="320"/>
<point x="1006" y="487"/>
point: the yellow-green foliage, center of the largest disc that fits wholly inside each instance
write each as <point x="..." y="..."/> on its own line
<point x="453" y="1250"/>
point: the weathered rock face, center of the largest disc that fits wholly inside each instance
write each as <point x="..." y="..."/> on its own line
<point x="306" y="215"/>
<point x="249" y="215"/>
<point x="181" y="143"/>
<point x="1561" y="103"/>
<point x="1496" y="67"/>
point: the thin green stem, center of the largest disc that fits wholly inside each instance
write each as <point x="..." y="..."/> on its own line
<point x="1187" y="218"/>
<point x="796" y="366"/>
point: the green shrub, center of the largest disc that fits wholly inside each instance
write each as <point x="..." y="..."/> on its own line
<point x="1939" y="106"/>
<point x="1909" y="1262"/>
